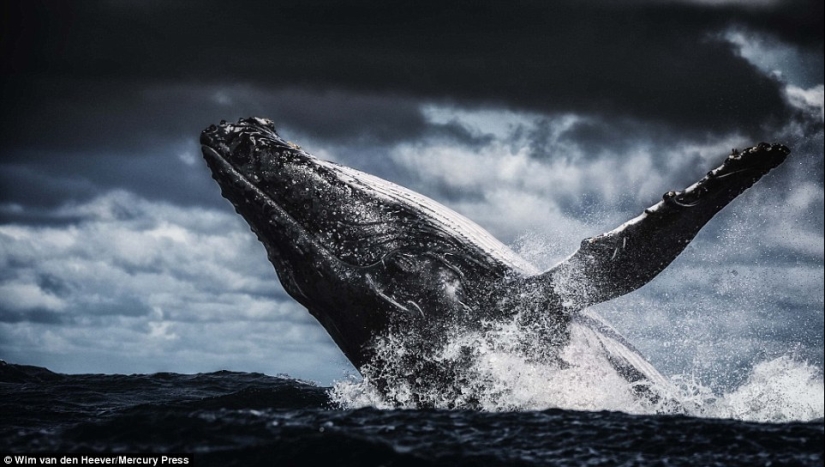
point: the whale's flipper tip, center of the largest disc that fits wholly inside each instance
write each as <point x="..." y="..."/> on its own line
<point x="763" y="156"/>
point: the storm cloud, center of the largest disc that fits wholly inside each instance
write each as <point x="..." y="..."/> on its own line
<point x="545" y="122"/>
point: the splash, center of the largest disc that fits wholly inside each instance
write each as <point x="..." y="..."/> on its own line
<point x="503" y="368"/>
<point x="501" y="373"/>
<point x="507" y="367"/>
<point x="778" y="390"/>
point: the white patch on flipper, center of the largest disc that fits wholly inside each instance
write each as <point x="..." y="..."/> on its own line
<point x="616" y="345"/>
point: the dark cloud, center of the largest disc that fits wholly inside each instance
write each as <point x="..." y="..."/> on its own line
<point x="106" y="243"/>
<point x="598" y="136"/>
<point x="798" y="22"/>
<point x="133" y="117"/>
<point x="71" y="142"/>
<point x="651" y="61"/>
<point x="37" y="315"/>
<point x="22" y="184"/>
<point x="53" y="285"/>
<point x="104" y="94"/>
<point x="61" y="178"/>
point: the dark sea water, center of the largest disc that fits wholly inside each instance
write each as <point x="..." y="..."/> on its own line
<point x="228" y="418"/>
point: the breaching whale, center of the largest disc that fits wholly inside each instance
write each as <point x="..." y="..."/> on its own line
<point x="369" y="258"/>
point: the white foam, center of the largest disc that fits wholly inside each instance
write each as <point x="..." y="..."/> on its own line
<point x="508" y="372"/>
<point x="503" y="377"/>
<point x="777" y="390"/>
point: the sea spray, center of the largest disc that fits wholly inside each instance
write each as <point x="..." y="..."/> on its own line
<point x="778" y="390"/>
<point x="501" y="369"/>
<point x="503" y="378"/>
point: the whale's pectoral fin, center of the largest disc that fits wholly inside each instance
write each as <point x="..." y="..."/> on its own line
<point x="622" y="260"/>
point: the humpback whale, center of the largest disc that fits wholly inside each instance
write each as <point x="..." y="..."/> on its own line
<point x="370" y="259"/>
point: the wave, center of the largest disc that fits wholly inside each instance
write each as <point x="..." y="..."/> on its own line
<point x="229" y="418"/>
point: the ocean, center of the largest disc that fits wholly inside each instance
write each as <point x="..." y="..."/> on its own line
<point x="230" y="418"/>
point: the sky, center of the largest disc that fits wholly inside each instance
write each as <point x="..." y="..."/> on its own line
<point x="544" y="122"/>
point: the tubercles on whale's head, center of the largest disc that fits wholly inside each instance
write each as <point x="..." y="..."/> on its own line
<point x="236" y="143"/>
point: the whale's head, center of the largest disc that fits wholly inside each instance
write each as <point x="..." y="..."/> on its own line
<point x="339" y="236"/>
<point x="288" y="200"/>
